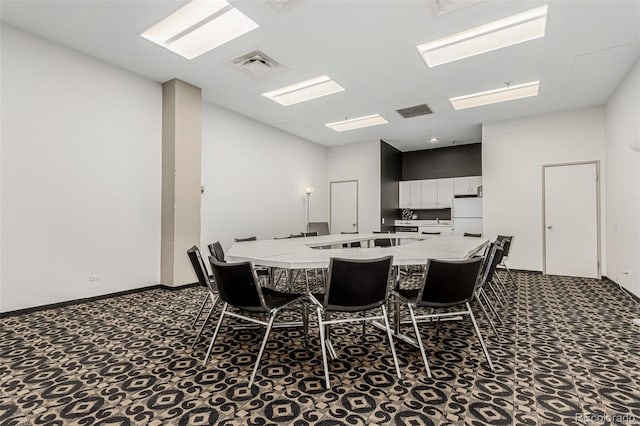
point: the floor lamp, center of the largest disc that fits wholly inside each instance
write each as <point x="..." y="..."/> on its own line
<point x="308" y="190"/>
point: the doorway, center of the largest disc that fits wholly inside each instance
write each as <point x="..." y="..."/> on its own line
<point x="343" y="206"/>
<point x="571" y="219"/>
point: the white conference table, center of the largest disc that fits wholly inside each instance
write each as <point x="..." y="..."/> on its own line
<point x="299" y="253"/>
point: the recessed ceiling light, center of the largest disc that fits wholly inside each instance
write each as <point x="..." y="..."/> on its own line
<point x="305" y="91"/>
<point x="199" y="26"/>
<point x="433" y="139"/>
<point x="509" y="93"/>
<point x="357" y="123"/>
<point x="495" y="35"/>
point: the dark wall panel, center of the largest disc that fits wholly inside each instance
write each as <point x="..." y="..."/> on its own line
<point x="390" y="174"/>
<point x="456" y="161"/>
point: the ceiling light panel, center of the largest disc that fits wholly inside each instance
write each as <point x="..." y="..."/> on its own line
<point x="495" y="35"/>
<point x="496" y="96"/>
<point x="199" y="26"/>
<point x="305" y="91"/>
<point x="357" y="123"/>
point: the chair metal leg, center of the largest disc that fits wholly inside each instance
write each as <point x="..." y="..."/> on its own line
<point x="513" y="280"/>
<point x="501" y="286"/>
<point x="305" y="323"/>
<point x="204" y="302"/>
<point x="419" y="339"/>
<point x="390" y="337"/>
<point x="486" y="315"/>
<point x="206" y="320"/>
<point x="475" y="325"/>
<point x="264" y="343"/>
<point x="490" y="305"/>
<point x="215" y="334"/>
<point x="323" y="348"/>
<point x="494" y="293"/>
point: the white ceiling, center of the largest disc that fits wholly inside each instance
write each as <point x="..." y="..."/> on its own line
<point x="368" y="47"/>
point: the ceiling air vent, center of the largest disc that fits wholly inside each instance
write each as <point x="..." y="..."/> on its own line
<point x="256" y="64"/>
<point x="415" y="111"/>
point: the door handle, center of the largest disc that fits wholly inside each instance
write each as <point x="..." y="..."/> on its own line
<point x="549" y="227"/>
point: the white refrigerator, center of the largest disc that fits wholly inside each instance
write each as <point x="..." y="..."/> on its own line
<point x="467" y="215"/>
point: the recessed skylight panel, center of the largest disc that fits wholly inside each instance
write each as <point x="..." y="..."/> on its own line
<point x="357" y="123"/>
<point x="505" y="94"/>
<point x="305" y="91"/>
<point x="505" y="32"/>
<point x="199" y="26"/>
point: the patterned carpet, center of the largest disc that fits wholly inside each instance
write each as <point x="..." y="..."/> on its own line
<point x="569" y="350"/>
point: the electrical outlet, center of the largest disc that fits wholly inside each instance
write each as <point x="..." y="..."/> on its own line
<point x="93" y="278"/>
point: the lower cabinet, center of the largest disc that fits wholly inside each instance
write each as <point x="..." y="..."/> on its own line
<point x="443" y="230"/>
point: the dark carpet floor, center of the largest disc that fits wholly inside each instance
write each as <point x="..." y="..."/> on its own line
<point x="569" y="350"/>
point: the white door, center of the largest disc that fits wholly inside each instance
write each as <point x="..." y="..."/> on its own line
<point x="344" y="206"/>
<point x="404" y="195"/>
<point x="571" y="220"/>
<point x="416" y="194"/>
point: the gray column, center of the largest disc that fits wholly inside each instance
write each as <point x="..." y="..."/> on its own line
<point x="181" y="167"/>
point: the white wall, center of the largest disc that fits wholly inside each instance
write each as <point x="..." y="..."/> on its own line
<point x="359" y="161"/>
<point x="254" y="177"/>
<point x="80" y="175"/>
<point x="513" y="152"/>
<point x="623" y="182"/>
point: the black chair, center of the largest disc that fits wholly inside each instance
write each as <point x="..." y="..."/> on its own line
<point x="487" y="272"/>
<point x="506" y="240"/>
<point x="204" y="279"/>
<point x="353" y="244"/>
<point x="310" y="234"/>
<point x="470" y="234"/>
<point x="446" y="284"/>
<point x="241" y="240"/>
<point x="238" y="288"/>
<point x="354" y="287"/>
<point x="217" y="251"/>
<point x="322" y="228"/>
<point x="382" y="242"/>
<point x="300" y="235"/>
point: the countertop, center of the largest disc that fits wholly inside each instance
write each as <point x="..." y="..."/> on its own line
<point x="432" y="222"/>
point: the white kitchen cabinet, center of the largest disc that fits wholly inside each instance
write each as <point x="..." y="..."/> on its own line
<point x="443" y="230"/>
<point x="410" y="194"/>
<point x="466" y="185"/>
<point x="429" y="192"/>
<point x="445" y="193"/>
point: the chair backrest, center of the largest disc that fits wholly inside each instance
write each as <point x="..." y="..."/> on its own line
<point x="382" y="242"/>
<point x="310" y="234"/>
<point x="432" y="233"/>
<point x="449" y="283"/>
<point x="322" y="228"/>
<point x="238" y="284"/>
<point x="494" y="258"/>
<point x="217" y="251"/>
<point x="282" y="238"/>
<point x="470" y="234"/>
<point x="300" y="235"/>
<point x="353" y="244"/>
<point x="506" y="243"/>
<point x="357" y="284"/>
<point x="200" y="268"/>
<point x="240" y="240"/>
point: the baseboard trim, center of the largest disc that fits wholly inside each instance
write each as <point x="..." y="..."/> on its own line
<point x="94" y="298"/>
<point x="612" y="282"/>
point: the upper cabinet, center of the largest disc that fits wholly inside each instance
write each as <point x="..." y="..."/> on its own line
<point x="445" y="193"/>
<point x="466" y="185"/>
<point x="429" y="194"/>
<point x="426" y="194"/>
<point x="410" y="195"/>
